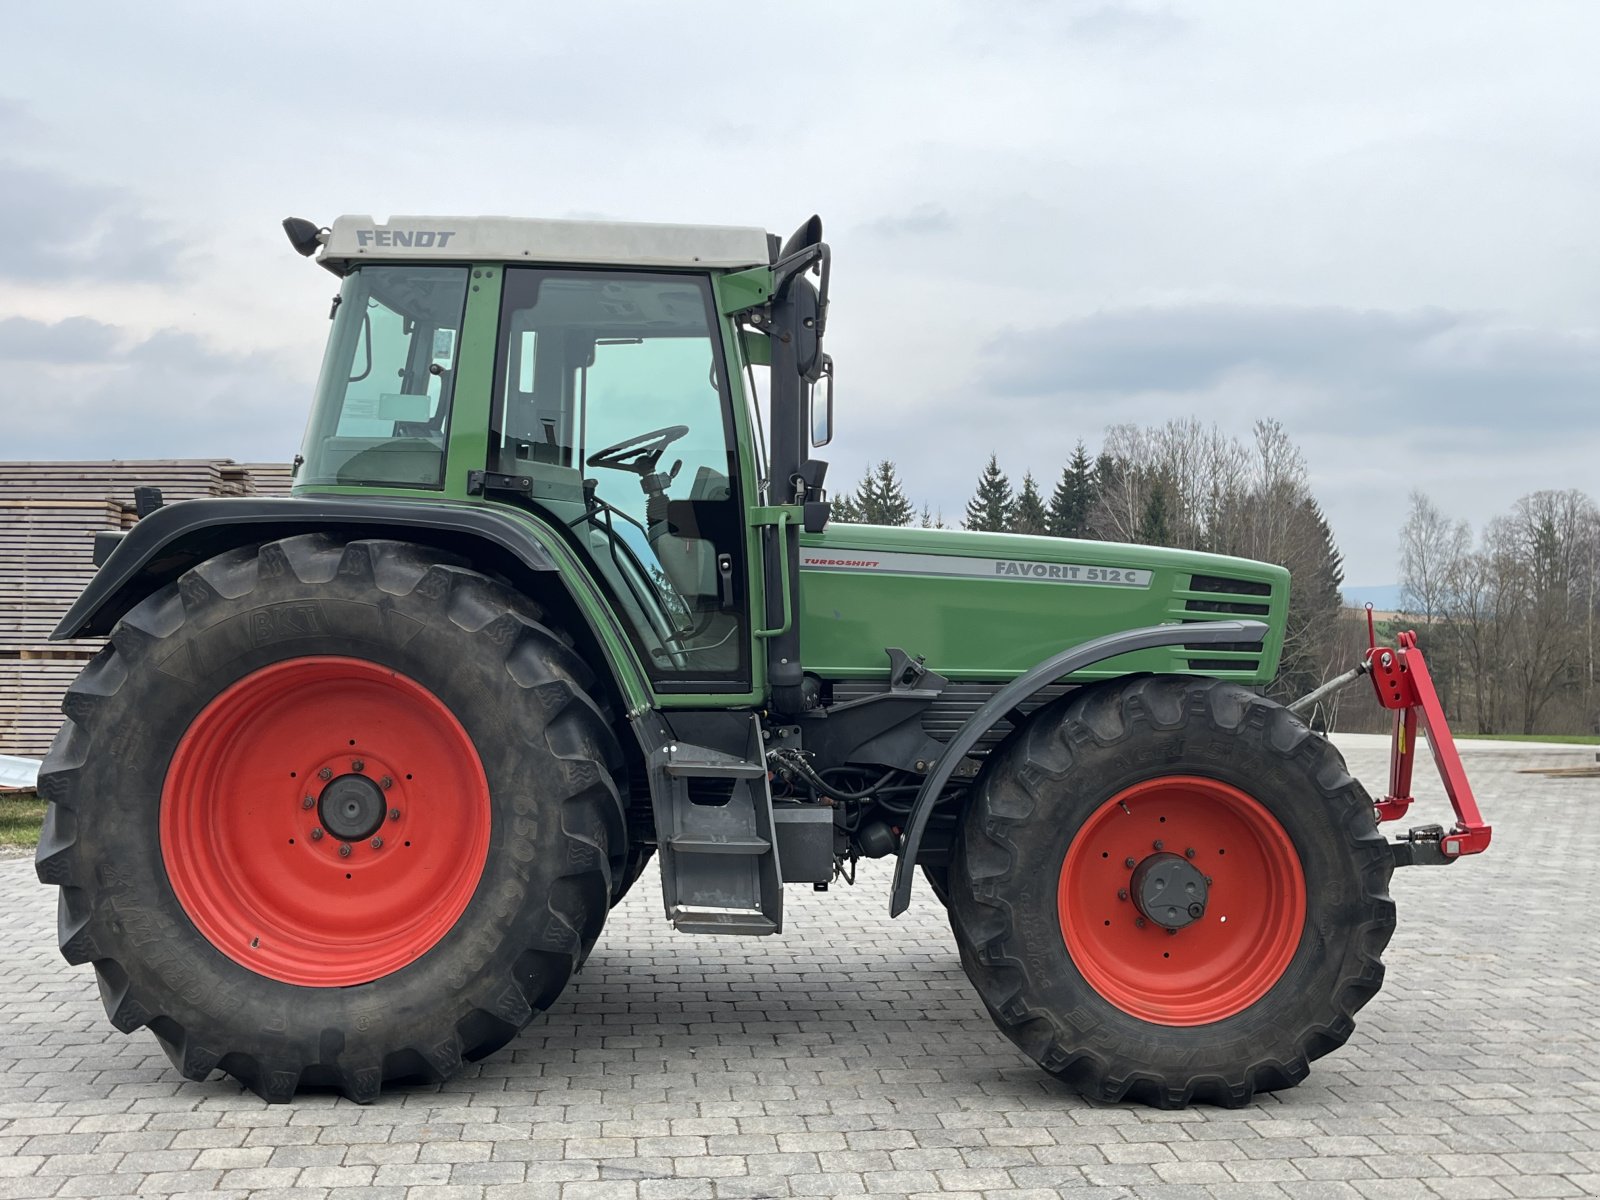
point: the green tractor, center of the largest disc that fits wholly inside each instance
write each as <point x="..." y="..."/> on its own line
<point x="348" y="793"/>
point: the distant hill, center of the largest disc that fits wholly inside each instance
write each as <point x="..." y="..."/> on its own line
<point x="1385" y="598"/>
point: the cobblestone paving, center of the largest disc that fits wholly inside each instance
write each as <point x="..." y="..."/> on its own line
<point x="850" y="1057"/>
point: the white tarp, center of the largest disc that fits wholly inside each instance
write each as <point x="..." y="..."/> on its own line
<point x="18" y="772"/>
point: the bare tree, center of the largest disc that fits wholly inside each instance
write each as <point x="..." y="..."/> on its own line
<point x="1430" y="545"/>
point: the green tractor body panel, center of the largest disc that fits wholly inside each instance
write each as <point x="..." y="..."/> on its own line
<point x="988" y="606"/>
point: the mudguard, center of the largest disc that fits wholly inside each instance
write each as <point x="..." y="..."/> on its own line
<point x="174" y="538"/>
<point x="1003" y="702"/>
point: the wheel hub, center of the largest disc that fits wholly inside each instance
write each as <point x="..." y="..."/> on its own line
<point x="352" y="808"/>
<point x="1182" y="900"/>
<point x="325" y="821"/>
<point x="1169" y="890"/>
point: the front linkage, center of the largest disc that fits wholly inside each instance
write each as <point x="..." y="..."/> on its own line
<point x="1401" y="679"/>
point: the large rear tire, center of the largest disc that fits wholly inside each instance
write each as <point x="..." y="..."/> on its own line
<point x="1168" y="889"/>
<point x="330" y="814"/>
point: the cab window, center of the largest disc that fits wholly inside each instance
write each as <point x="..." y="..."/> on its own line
<point x="382" y="409"/>
<point x="611" y="397"/>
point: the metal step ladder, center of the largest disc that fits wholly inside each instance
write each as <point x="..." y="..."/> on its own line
<point x="719" y="855"/>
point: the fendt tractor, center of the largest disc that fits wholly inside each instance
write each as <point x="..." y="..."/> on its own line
<point x="350" y="789"/>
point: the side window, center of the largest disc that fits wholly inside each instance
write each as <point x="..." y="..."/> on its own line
<point x="382" y="410"/>
<point x="611" y="396"/>
<point x="636" y="386"/>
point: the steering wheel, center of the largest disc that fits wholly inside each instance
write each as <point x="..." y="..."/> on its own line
<point x="638" y="454"/>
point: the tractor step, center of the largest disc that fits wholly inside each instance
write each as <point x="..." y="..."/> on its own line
<point x="717" y="846"/>
<point x="694" y="920"/>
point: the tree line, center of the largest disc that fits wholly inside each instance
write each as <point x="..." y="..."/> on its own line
<point x="1509" y="620"/>
<point x="1183" y="484"/>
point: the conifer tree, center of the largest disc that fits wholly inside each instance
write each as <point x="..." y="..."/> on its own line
<point x="1074" y="497"/>
<point x="1155" y="528"/>
<point x="990" y="506"/>
<point x="1028" y="515"/>
<point x="845" y="510"/>
<point x="881" y="499"/>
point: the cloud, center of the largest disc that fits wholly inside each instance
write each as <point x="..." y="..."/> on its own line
<point x="79" y="388"/>
<point x="1524" y="382"/>
<point x="1120" y="22"/>
<point x="61" y="229"/>
<point x="14" y="117"/>
<point x="922" y="219"/>
<point x="75" y="340"/>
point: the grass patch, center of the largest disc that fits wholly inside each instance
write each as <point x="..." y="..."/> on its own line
<point x="1566" y="739"/>
<point x="21" y="814"/>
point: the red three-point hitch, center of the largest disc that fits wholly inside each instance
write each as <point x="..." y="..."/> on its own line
<point x="1400" y="677"/>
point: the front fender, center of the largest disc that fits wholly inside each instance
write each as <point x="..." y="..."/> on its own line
<point x="1019" y="689"/>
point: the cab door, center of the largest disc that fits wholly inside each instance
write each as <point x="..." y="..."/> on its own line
<point x="612" y="397"/>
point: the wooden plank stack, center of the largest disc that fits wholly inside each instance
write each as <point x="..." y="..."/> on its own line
<point x="49" y="514"/>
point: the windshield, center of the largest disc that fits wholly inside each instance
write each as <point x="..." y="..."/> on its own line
<point x="382" y="408"/>
<point x="611" y="398"/>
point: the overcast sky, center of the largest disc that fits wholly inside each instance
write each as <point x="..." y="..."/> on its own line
<point x="1375" y="222"/>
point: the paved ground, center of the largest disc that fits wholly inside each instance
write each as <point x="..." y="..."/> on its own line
<point x="850" y="1056"/>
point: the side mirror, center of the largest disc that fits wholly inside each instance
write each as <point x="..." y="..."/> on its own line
<point x="807" y="330"/>
<point x="822" y="404"/>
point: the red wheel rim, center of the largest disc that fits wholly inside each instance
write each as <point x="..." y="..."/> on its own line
<point x="1254" y="912"/>
<point x="265" y="796"/>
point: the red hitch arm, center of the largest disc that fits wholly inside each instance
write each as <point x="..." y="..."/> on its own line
<point x="1400" y="677"/>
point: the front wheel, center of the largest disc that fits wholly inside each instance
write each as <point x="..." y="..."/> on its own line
<point x="1168" y="889"/>
<point x="331" y="813"/>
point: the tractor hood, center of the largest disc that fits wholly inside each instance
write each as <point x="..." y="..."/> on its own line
<point x="987" y="606"/>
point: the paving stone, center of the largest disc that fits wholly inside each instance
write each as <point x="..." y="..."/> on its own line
<point x="850" y="1057"/>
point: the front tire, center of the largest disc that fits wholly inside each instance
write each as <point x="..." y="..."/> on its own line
<point x="1168" y="889"/>
<point x="330" y="814"/>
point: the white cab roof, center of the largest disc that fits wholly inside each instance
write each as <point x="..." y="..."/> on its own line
<point x="526" y="239"/>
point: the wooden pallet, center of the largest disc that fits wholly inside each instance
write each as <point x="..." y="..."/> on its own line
<point x="49" y="514"/>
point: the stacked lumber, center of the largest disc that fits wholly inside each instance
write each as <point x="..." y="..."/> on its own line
<point x="49" y="514"/>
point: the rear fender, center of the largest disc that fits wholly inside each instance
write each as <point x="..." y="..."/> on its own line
<point x="1005" y="701"/>
<point x="171" y="540"/>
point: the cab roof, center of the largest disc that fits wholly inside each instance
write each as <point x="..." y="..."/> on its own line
<point x="535" y="240"/>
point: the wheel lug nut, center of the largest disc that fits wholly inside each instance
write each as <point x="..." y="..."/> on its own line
<point x="344" y="850"/>
<point x="1122" y="893"/>
<point x="1139" y="922"/>
<point x="357" y="765"/>
<point x="377" y="843"/>
<point x="1189" y="853"/>
<point x="1172" y="933"/>
<point x="1160" y="845"/>
<point x="308" y="802"/>
<point x="1208" y="881"/>
<point x="325" y="773"/>
<point x="316" y="835"/>
<point x="386" y="782"/>
<point x="1128" y="862"/>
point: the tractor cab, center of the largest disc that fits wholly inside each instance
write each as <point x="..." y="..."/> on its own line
<point x="617" y="403"/>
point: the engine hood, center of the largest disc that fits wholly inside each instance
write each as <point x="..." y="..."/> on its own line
<point x="987" y="606"/>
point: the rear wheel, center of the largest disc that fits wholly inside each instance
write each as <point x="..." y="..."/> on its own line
<point x="329" y="814"/>
<point x="1168" y="889"/>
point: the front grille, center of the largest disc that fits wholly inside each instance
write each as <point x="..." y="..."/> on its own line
<point x="1214" y="665"/>
<point x="1237" y="587"/>
<point x="1234" y="608"/>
